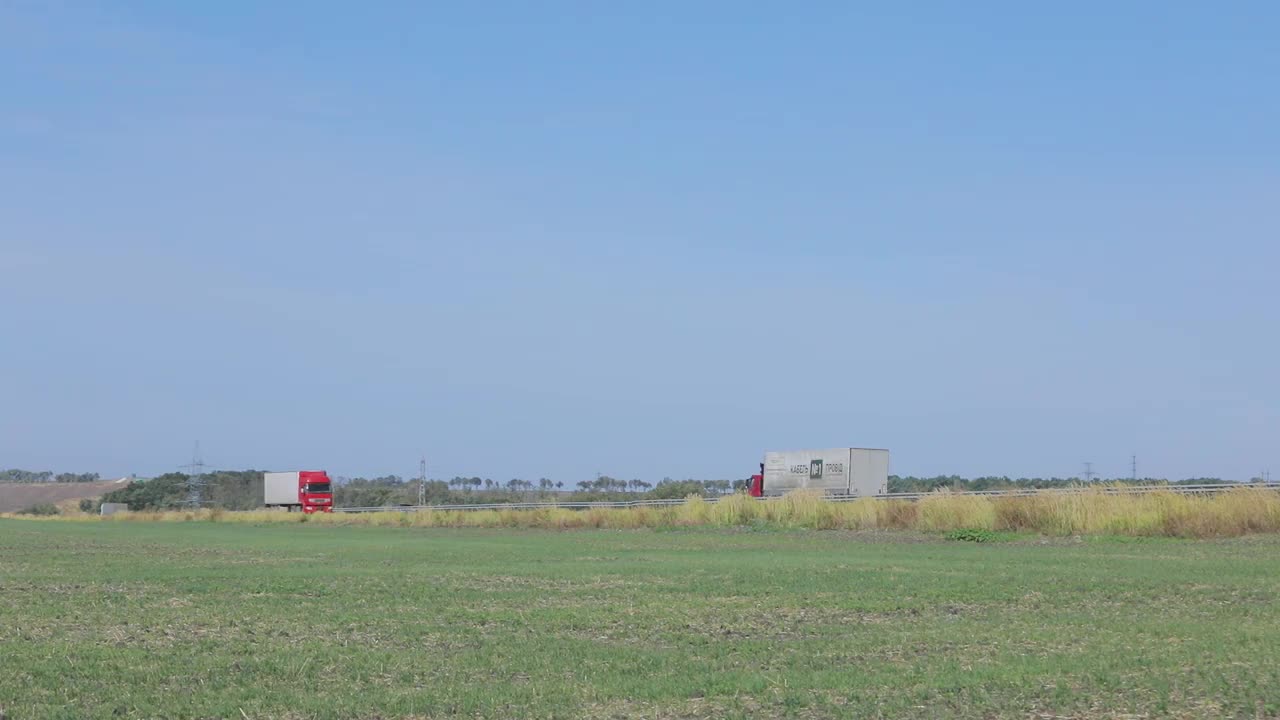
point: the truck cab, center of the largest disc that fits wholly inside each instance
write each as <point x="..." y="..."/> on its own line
<point x="757" y="484"/>
<point x="315" y="491"/>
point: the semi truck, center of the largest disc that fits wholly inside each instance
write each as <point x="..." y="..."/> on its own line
<point x="307" y="490"/>
<point x="856" y="472"/>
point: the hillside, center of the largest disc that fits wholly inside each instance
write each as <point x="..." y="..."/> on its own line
<point x="18" y="496"/>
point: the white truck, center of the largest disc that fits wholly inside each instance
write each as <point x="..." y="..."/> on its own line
<point x="858" y="472"/>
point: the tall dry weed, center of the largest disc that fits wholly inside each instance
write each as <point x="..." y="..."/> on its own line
<point x="1230" y="513"/>
<point x="946" y="510"/>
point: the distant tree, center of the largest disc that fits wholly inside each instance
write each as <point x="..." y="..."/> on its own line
<point x="25" y="476"/>
<point x="673" y="489"/>
<point x="164" y="491"/>
<point x="437" y="491"/>
<point x="386" y="490"/>
<point x="76" y="477"/>
<point x="234" y="489"/>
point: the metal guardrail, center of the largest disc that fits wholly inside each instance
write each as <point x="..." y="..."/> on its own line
<point x="618" y="504"/>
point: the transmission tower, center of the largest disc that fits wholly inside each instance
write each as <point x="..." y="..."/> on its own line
<point x="1088" y="472"/>
<point x="196" y="480"/>
<point x="1133" y="468"/>
<point x="422" y="481"/>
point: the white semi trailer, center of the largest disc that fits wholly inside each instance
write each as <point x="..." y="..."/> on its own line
<point x="858" y="472"/>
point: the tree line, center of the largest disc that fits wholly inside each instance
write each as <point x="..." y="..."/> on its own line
<point x="45" y="476"/>
<point x="227" y="489"/>
<point x="396" y="490"/>
<point x="242" y="489"/>
<point x="911" y="484"/>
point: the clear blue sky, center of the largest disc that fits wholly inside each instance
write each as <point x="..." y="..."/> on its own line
<point x="552" y="239"/>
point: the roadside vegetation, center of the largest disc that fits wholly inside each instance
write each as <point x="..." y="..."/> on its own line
<point x="40" y="509"/>
<point x="1232" y="513"/>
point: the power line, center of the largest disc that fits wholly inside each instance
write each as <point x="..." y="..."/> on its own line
<point x="196" y="480"/>
<point x="1088" y="472"/>
<point x="422" y="481"/>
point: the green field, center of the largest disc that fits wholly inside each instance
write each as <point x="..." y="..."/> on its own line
<point x="200" y="620"/>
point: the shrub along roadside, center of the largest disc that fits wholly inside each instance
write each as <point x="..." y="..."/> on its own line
<point x="979" y="535"/>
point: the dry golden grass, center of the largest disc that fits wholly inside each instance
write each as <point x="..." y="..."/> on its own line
<point x="1235" y="512"/>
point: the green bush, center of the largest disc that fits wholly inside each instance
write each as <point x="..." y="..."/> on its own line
<point x="165" y="491"/>
<point x="972" y="535"/>
<point x="40" y="509"/>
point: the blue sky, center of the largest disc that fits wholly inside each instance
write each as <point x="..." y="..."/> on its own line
<point x="558" y="239"/>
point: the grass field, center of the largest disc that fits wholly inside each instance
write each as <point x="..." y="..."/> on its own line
<point x="200" y="620"/>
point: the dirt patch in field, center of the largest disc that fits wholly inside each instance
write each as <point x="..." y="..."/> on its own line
<point x="774" y="704"/>
<point x="20" y="496"/>
<point x="505" y="583"/>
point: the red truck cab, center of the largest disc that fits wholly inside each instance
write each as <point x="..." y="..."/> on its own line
<point x="757" y="484"/>
<point x="315" y="492"/>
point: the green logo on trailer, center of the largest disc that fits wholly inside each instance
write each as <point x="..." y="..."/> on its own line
<point x="815" y="469"/>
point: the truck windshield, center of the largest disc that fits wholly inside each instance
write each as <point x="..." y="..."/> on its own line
<point x="318" y="488"/>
